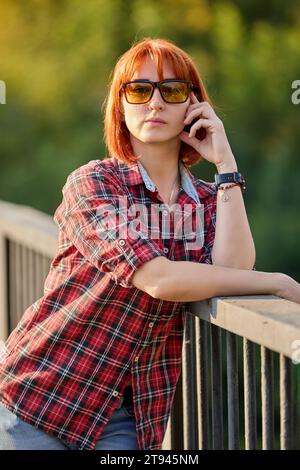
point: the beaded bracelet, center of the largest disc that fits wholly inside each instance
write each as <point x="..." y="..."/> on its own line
<point x="225" y="196"/>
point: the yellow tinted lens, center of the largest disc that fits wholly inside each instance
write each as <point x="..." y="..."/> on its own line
<point x="175" y="92"/>
<point x="138" y="92"/>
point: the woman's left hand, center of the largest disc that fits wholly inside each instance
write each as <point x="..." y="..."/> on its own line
<point x="214" y="147"/>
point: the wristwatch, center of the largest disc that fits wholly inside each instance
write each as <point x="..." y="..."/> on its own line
<point x="234" y="177"/>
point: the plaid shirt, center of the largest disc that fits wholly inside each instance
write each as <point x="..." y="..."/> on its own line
<point x="69" y="358"/>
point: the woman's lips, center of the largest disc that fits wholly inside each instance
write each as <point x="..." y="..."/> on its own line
<point x="155" y="123"/>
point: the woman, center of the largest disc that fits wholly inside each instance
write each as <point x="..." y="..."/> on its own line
<point x="94" y="363"/>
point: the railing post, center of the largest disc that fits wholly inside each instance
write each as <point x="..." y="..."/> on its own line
<point x="233" y="392"/>
<point x="250" y="395"/>
<point x="203" y="389"/>
<point x="267" y="399"/>
<point x="217" y="396"/>
<point x="286" y="403"/>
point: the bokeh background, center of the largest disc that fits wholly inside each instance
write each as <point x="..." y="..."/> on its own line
<point x="57" y="56"/>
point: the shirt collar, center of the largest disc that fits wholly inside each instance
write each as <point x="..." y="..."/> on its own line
<point x="186" y="182"/>
<point x="135" y="173"/>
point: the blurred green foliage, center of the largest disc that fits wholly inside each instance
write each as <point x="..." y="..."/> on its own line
<point x="56" y="58"/>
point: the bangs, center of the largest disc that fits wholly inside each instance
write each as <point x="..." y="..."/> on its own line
<point x="159" y="57"/>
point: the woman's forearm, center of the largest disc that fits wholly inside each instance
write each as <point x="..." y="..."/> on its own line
<point x="185" y="281"/>
<point x="233" y="245"/>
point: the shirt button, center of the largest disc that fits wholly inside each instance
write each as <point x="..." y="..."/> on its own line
<point x="166" y="250"/>
<point x="151" y="325"/>
<point x="115" y="393"/>
<point x="165" y="212"/>
<point x="122" y="242"/>
<point x="136" y="358"/>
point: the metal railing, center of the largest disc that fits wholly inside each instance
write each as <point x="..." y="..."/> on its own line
<point x="240" y="381"/>
<point x="28" y="242"/>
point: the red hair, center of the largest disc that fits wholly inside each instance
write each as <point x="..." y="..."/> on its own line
<point x="116" y="134"/>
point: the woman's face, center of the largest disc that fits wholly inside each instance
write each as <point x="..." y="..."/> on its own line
<point x="135" y="115"/>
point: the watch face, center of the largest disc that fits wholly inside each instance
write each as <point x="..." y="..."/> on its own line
<point x="229" y="178"/>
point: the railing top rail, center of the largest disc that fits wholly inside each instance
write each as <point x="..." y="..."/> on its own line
<point x="29" y="227"/>
<point x="267" y="320"/>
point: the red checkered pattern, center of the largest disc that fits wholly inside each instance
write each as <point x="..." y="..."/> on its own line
<point x="74" y="349"/>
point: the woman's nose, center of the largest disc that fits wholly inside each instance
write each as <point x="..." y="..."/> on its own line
<point x="156" y="100"/>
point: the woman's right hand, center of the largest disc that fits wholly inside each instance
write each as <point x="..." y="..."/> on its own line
<point x="287" y="288"/>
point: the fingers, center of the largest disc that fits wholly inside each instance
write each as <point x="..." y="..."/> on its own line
<point x="200" y="108"/>
<point x="206" y="123"/>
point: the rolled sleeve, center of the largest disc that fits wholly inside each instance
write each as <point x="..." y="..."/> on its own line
<point x="87" y="196"/>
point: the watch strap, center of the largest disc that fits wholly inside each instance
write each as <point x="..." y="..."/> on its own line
<point x="233" y="177"/>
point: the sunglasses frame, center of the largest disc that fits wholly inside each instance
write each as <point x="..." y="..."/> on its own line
<point x="157" y="85"/>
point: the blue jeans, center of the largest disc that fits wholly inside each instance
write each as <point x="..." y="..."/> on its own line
<point x="16" y="434"/>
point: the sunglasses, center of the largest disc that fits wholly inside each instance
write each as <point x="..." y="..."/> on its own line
<point x="172" y="91"/>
